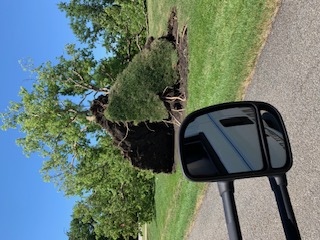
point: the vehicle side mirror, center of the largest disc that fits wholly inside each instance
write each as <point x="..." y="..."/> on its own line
<point x="234" y="140"/>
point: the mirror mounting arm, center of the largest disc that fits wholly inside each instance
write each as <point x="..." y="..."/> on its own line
<point x="226" y="190"/>
<point x="279" y="186"/>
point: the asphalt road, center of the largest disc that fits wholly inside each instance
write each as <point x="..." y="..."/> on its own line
<point x="287" y="76"/>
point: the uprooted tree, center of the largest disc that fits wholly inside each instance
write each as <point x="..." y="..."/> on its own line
<point x="59" y="117"/>
<point x="55" y="115"/>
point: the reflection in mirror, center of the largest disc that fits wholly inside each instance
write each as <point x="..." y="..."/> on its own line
<point x="223" y="142"/>
<point x="275" y="138"/>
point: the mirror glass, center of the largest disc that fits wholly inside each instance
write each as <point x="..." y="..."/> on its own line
<point x="223" y="142"/>
<point x="234" y="140"/>
<point x="274" y="133"/>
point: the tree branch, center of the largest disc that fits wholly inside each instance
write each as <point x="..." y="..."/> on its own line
<point x="86" y="86"/>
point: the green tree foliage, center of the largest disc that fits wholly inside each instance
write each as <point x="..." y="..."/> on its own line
<point x="135" y="96"/>
<point x="54" y="114"/>
<point x="82" y="231"/>
<point x="119" y="25"/>
<point x="115" y="196"/>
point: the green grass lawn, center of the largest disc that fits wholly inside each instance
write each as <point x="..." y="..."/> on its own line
<point x="225" y="37"/>
<point x="175" y="201"/>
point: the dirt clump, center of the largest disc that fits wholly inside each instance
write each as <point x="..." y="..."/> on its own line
<point x="151" y="145"/>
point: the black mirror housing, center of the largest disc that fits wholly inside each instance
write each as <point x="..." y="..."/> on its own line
<point x="234" y="140"/>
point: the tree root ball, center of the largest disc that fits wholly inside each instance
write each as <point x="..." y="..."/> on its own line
<point x="151" y="145"/>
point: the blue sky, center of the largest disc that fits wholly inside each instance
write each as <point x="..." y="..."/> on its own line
<point x="30" y="208"/>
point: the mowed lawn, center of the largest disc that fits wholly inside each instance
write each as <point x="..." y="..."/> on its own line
<point x="225" y="38"/>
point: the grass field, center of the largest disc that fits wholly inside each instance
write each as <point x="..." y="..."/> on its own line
<point x="225" y="38"/>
